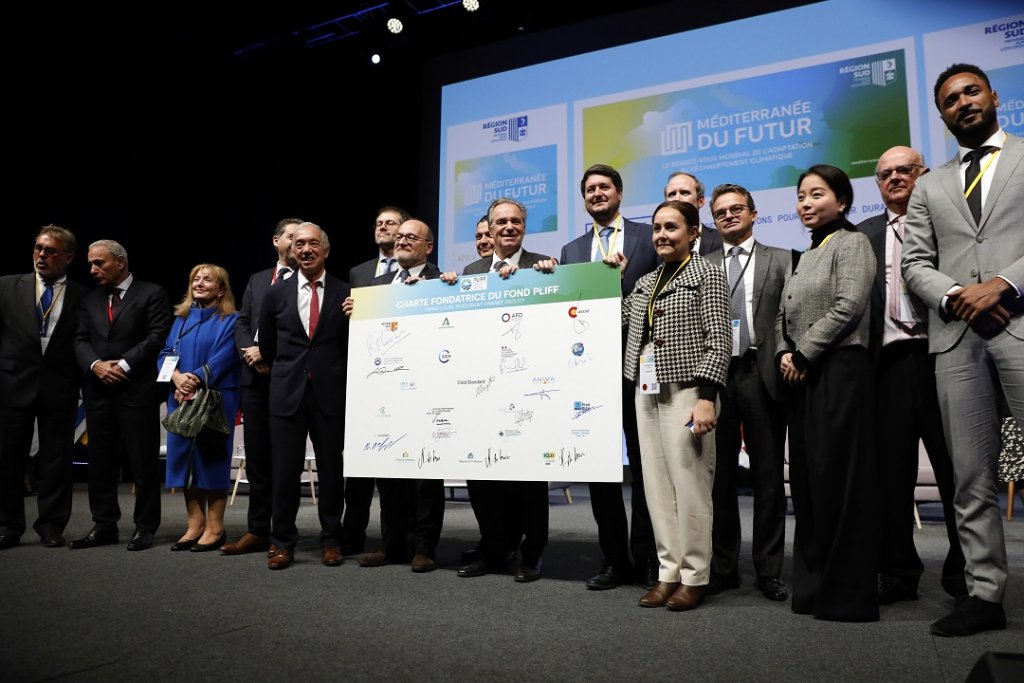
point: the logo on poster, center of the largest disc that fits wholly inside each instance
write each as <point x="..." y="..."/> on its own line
<point x="511" y="130"/>
<point x="677" y="138"/>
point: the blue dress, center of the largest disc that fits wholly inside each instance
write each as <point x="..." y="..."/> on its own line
<point x="203" y="336"/>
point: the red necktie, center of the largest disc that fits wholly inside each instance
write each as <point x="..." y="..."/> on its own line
<point x="314" y="308"/>
<point x="113" y="304"/>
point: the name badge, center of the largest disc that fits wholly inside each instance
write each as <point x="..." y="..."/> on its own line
<point x="648" y="381"/>
<point x="167" y="369"/>
<point x="735" y="336"/>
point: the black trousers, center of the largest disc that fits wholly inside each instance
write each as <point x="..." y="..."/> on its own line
<point x="501" y="506"/>
<point x="750" y="415"/>
<point x="256" y="432"/>
<point x="908" y="410"/>
<point x="53" y="467"/>
<point x="136" y="429"/>
<point x="358" y="497"/>
<point x="411" y="516"/>
<point x="614" y="535"/>
<point x="288" y="454"/>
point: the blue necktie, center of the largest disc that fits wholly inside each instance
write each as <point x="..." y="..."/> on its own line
<point x="404" y="275"/>
<point x="605" y="233"/>
<point x="43" y="308"/>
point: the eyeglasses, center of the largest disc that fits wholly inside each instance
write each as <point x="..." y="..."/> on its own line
<point x="904" y="171"/>
<point x="49" y="251"/>
<point x="410" y="238"/>
<point x="389" y="223"/>
<point x="734" y="210"/>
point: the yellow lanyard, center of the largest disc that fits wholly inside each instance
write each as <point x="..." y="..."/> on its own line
<point x="981" y="174"/>
<point x="827" y="238"/>
<point x="650" y="302"/>
<point x="616" y="226"/>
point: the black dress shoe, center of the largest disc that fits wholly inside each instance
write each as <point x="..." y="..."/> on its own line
<point x="7" y="542"/>
<point x="528" y="571"/>
<point x="140" y="540"/>
<point x="52" y="541"/>
<point x="470" y="555"/>
<point x="207" y="547"/>
<point x="773" y="589"/>
<point x="475" y="568"/>
<point x="720" y="583"/>
<point x="93" y="539"/>
<point x="972" y="615"/>
<point x="187" y="544"/>
<point x="647" y="573"/>
<point x="609" y="577"/>
<point x="891" y="591"/>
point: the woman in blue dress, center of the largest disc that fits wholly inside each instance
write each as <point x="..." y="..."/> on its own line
<point x="203" y="334"/>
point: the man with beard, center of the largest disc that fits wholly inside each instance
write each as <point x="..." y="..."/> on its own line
<point x="964" y="256"/>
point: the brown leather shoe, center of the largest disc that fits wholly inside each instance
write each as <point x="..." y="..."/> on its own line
<point x="378" y="558"/>
<point x="659" y="595"/>
<point x="423" y="563"/>
<point x="280" y="558"/>
<point x="330" y="556"/>
<point x="248" y="543"/>
<point x="685" y="597"/>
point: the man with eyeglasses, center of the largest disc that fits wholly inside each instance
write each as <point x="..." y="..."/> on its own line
<point x="39" y="380"/>
<point x="752" y="413"/>
<point x="411" y="510"/>
<point x="384" y="229"/>
<point x="907" y="406"/>
<point x="686" y="187"/>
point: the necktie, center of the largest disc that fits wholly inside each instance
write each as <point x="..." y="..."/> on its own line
<point x="499" y="265"/>
<point x="605" y="233"/>
<point x="114" y="304"/>
<point x="44" y="306"/>
<point x="404" y="275"/>
<point x="314" y="307"/>
<point x="280" y="274"/>
<point x="390" y="265"/>
<point x="911" y="316"/>
<point x="973" y="169"/>
<point x="739" y="298"/>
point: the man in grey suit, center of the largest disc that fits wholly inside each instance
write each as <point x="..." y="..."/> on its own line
<point x="750" y="400"/>
<point x="686" y="187"/>
<point x="907" y="409"/>
<point x="964" y="256"/>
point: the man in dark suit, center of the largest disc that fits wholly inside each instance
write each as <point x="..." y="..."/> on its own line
<point x="752" y="412"/>
<point x="122" y="327"/>
<point x="964" y="257"/>
<point x="907" y="409"/>
<point x="39" y="380"/>
<point x="411" y="510"/>
<point x="503" y="506"/>
<point x="601" y="188"/>
<point x="256" y="392"/>
<point x="686" y="187"/>
<point x="384" y="229"/>
<point x="304" y="339"/>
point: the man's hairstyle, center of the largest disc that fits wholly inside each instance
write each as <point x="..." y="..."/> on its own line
<point x="696" y="181"/>
<point x="837" y="181"/>
<point x="115" y="249"/>
<point x="430" y="231"/>
<point x="401" y="212"/>
<point x="726" y="188"/>
<point x="323" y="233"/>
<point x="63" y="235"/>
<point x="955" y="69"/>
<point x="482" y="219"/>
<point x="601" y="169"/>
<point x="688" y="211"/>
<point x="226" y="305"/>
<point x="504" y="200"/>
<point x="284" y="223"/>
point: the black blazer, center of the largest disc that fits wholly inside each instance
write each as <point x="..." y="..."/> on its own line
<point x="709" y="240"/>
<point x="642" y="258"/>
<point x="137" y="335"/>
<point x="295" y="359"/>
<point x="430" y="272"/>
<point x="249" y="317"/>
<point x="25" y="372"/>
<point x="360" y="275"/>
<point x="526" y="260"/>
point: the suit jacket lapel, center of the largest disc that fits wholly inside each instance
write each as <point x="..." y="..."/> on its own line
<point x="877" y="239"/>
<point x="630" y="236"/>
<point x="27" y="294"/>
<point x="761" y="264"/>
<point x="1010" y="158"/>
<point x="949" y="174"/>
<point x="327" y="305"/>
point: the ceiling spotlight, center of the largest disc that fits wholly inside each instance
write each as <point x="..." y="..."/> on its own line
<point x="375" y="58"/>
<point x="471" y="5"/>
<point x="395" y="25"/>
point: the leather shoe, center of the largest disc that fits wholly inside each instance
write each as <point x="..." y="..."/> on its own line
<point x="685" y="598"/>
<point x="94" y="538"/>
<point x="187" y="544"/>
<point x="140" y="540"/>
<point x="330" y="556"/>
<point x="477" y="567"/>
<point x="422" y="563"/>
<point x="280" y="558"/>
<point x="720" y="583"/>
<point x="470" y="555"/>
<point x="972" y="615"/>
<point x="207" y="547"/>
<point x="890" y="591"/>
<point x="8" y="542"/>
<point x="52" y="541"/>
<point x="528" y="572"/>
<point x="647" y="572"/>
<point x="609" y="577"/>
<point x="248" y="543"/>
<point x="773" y="589"/>
<point x="378" y="558"/>
<point x="659" y="595"/>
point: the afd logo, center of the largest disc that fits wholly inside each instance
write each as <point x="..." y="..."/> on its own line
<point x="677" y="138"/>
<point x="513" y="130"/>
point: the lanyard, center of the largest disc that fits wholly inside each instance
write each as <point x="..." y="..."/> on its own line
<point x="827" y="238"/>
<point x="57" y="289"/>
<point x="981" y="174"/>
<point x="616" y="228"/>
<point x="650" y="302"/>
<point x="185" y="330"/>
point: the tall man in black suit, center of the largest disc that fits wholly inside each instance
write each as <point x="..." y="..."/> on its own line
<point x="752" y="412"/>
<point x="389" y="218"/>
<point x="501" y="506"/>
<point x="122" y="327"/>
<point x="686" y="187"/>
<point x="907" y="409"/>
<point x="256" y="392"/>
<point x="601" y="188"/>
<point x="39" y="380"/>
<point x="304" y="339"/>
<point x="411" y="510"/>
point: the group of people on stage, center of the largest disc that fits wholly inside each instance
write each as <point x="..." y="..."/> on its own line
<point x="903" y="328"/>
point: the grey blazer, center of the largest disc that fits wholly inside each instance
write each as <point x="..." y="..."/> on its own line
<point x="771" y="267"/>
<point x="825" y="302"/>
<point x="939" y="224"/>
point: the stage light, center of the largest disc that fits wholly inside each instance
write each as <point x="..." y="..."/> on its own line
<point x="375" y="58"/>
<point x="395" y="25"/>
<point x="471" y="5"/>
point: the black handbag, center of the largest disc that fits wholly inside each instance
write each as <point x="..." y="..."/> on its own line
<point x="204" y="411"/>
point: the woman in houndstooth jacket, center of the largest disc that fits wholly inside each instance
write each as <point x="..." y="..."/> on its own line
<point x="678" y="352"/>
